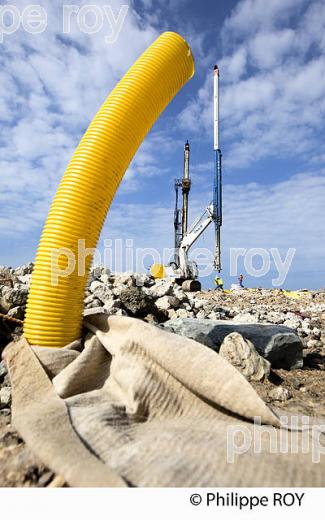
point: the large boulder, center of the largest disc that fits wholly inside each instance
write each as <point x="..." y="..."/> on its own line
<point x="241" y="353"/>
<point x="136" y="302"/>
<point x="278" y="344"/>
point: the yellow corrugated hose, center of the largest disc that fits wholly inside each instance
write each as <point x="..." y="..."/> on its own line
<point x="54" y="311"/>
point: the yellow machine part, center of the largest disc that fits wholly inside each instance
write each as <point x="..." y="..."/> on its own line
<point x="54" y="311"/>
<point x="292" y="294"/>
<point x="157" y="271"/>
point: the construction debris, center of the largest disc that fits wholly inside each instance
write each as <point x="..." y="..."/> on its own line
<point x="280" y="345"/>
<point x="293" y="338"/>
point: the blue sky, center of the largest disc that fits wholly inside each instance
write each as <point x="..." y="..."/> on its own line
<point x="272" y="86"/>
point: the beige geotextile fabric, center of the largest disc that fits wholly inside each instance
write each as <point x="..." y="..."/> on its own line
<point x="138" y="406"/>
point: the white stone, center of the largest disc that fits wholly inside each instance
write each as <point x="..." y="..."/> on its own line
<point x="105" y="278"/>
<point x="291" y="323"/>
<point x="172" y="314"/>
<point x="242" y="354"/>
<point x="199" y="304"/>
<point x="111" y="305"/>
<point x="163" y="303"/>
<point x="245" y="318"/>
<point x="181" y="295"/>
<point x="161" y="288"/>
<point x="275" y="317"/>
<point x="25" y="279"/>
<point x="316" y="333"/>
<point x="93" y="286"/>
<point x="5" y="396"/>
<point x="118" y="290"/>
<point x="183" y="313"/>
<point x="124" y="279"/>
<point x="280" y="394"/>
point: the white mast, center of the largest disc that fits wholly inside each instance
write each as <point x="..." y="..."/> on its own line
<point x="216" y="107"/>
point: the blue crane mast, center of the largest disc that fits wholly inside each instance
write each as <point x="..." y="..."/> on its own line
<point x="217" y="185"/>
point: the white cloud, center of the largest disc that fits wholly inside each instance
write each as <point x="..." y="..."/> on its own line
<point x="234" y="66"/>
<point x="267" y="50"/>
<point x="272" y="90"/>
<point x="50" y="88"/>
<point x="253" y="15"/>
<point x="285" y="214"/>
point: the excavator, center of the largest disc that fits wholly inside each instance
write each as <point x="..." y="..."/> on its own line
<point x="181" y="268"/>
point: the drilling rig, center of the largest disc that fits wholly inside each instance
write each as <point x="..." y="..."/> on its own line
<point x="181" y="215"/>
<point x="181" y="268"/>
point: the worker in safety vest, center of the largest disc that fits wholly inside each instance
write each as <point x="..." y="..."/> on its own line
<point x="219" y="283"/>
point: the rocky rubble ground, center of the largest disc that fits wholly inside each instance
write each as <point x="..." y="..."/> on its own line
<point x="275" y="338"/>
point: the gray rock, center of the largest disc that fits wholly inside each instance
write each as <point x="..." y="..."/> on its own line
<point x="127" y="279"/>
<point x="98" y="271"/>
<point x="89" y="300"/>
<point x="245" y="318"/>
<point x="161" y="288"/>
<point x="312" y="343"/>
<point x="3" y="370"/>
<point x="144" y="280"/>
<point x="112" y="305"/>
<point x="17" y="312"/>
<point x="163" y="303"/>
<point x="120" y="312"/>
<point x="24" y="269"/>
<point x="181" y="295"/>
<point x="183" y="313"/>
<point x="106" y="279"/>
<point x="279" y="394"/>
<point x="93" y="302"/>
<point x="25" y="279"/>
<point x="214" y="315"/>
<point x="137" y="303"/>
<point x="45" y="479"/>
<point x="278" y="344"/>
<point x="291" y="323"/>
<point x="93" y="285"/>
<point x="201" y="315"/>
<point x="275" y="317"/>
<point x="91" y="311"/>
<point x="151" y="319"/>
<point x="101" y="291"/>
<point x="316" y="333"/>
<point x="116" y="291"/>
<point x="167" y="302"/>
<point x="172" y="314"/>
<point x="5" y="396"/>
<point x="6" y="272"/>
<point x="14" y="297"/>
<point x="199" y="303"/>
<point x="241" y="354"/>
